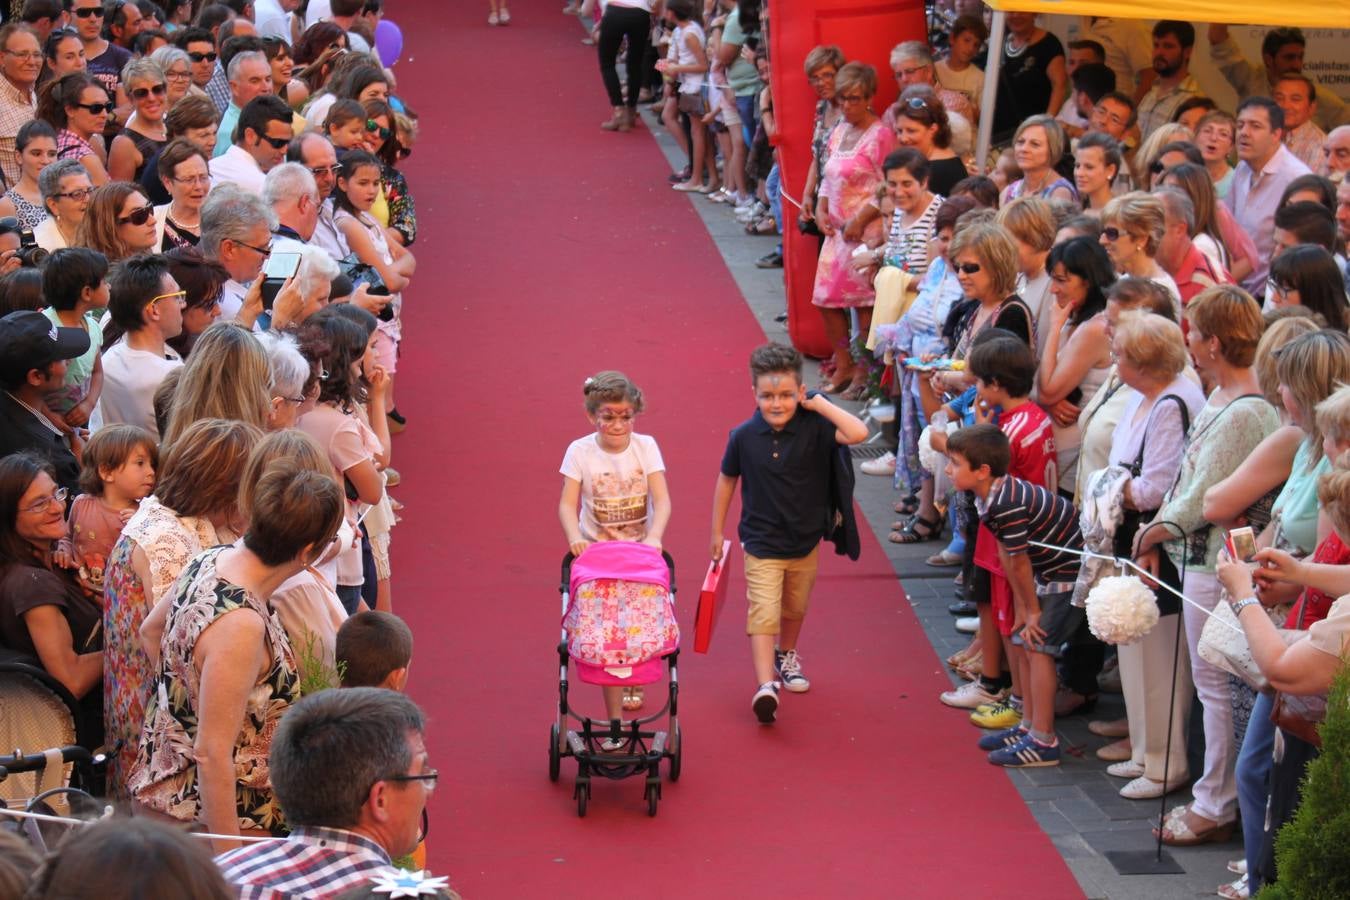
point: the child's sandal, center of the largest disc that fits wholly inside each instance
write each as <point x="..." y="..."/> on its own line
<point x="632" y="698"/>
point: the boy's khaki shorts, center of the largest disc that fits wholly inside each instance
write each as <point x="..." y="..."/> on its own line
<point x="778" y="589"/>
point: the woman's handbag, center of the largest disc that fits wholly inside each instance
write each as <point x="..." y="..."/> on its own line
<point x="1300" y="715"/>
<point x="1225" y="648"/>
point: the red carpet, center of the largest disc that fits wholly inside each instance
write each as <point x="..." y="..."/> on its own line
<point x="548" y="250"/>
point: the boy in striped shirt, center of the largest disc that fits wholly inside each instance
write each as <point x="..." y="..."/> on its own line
<point x="1018" y="512"/>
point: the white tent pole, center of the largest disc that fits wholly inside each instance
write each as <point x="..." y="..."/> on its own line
<point x="987" y="99"/>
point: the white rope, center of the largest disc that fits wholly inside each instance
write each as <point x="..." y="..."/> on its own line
<point x="1121" y="563"/>
<point x="782" y="192"/>
<point x="108" y="814"/>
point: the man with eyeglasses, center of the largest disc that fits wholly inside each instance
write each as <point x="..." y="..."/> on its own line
<point x="147" y="305"/>
<point x="316" y="153"/>
<point x="349" y="768"/>
<point x="43" y="16"/>
<point x="260" y="141"/>
<point x="33" y="355"/>
<point x="20" y="65"/>
<point x="912" y="63"/>
<point x="237" y="233"/>
<point x="250" y="76"/>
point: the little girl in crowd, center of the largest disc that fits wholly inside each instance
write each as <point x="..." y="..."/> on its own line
<point x="118" y="473"/>
<point x="616" y="478"/>
<point x="358" y="187"/>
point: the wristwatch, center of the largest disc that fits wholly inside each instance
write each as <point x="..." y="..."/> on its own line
<point x="1237" y="606"/>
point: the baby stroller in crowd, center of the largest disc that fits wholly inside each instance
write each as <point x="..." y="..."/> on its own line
<point x="619" y="629"/>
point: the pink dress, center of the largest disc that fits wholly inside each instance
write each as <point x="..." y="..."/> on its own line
<point x="850" y="183"/>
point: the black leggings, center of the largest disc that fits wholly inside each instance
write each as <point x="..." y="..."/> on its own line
<point x="620" y="22"/>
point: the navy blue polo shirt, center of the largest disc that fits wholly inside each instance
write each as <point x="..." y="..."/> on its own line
<point x="785" y="483"/>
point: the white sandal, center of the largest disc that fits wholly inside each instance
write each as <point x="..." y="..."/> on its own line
<point x="1235" y="890"/>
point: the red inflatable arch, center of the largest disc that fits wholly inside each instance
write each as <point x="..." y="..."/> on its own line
<point x="865" y="31"/>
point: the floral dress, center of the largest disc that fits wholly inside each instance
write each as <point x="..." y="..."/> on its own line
<point x="169" y="542"/>
<point x="165" y="775"/>
<point x="402" y="212"/>
<point x="850" y="183"/>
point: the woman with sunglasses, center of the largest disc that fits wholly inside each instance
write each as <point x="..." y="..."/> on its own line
<point x="36" y="144"/>
<point x="43" y="612"/>
<point x="119" y="223"/>
<point x="145" y="133"/>
<point x="62" y="54"/>
<point x="921" y="122"/>
<point x="66" y="190"/>
<point x="78" y="108"/>
<point x="1132" y="228"/>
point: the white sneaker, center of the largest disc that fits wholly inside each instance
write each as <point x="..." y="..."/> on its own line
<point x="765" y="703"/>
<point x="882" y="465"/>
<point x="971" y="695"/>
<point x="1127" y="769"/>
<point x="493" y="18"/>
<point x="968" y="624"/>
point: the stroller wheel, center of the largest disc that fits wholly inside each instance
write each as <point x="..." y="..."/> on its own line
<point x="653" y="798"/>
<point x="554" y="754"/>
<point x="583" y="795"/>
<point x="676" y="753"/>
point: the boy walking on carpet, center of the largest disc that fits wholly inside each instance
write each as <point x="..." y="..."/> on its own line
<point x="783" y="456"/>
<point x="1018" y="512"/>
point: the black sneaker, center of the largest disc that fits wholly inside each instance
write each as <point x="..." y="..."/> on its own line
<point x="788" y="665"/>
<point x="397" y="416"/>
<point x="765" y="703"/>
<point x="962" y="608"/>
<point x="772" y="260"/>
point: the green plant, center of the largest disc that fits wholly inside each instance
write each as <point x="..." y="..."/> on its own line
<point x="315" y="674"/>
<point x="1310" y="851"/>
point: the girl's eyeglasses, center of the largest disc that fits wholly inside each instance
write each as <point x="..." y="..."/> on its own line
<point x="376" y="128"/>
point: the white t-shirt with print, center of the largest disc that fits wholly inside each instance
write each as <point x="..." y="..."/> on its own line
<point x="614" y="500"/>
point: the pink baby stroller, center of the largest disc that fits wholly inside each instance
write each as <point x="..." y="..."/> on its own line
<point x="618" y="628"/>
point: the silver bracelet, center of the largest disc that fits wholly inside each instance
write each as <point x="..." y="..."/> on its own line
<point x="1237" y="606"/>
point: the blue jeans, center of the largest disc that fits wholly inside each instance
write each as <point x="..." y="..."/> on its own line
<point x="1253" y="783"/>
<point x="746" y="107"/>
<point x="771" y="186"/>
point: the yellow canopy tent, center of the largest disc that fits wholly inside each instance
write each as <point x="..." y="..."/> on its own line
<point x="1321" y="14"/>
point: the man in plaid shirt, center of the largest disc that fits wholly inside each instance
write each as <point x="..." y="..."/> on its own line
<point x="349" y="768"/>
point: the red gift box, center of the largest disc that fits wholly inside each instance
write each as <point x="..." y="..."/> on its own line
<point x="711" y="598"/>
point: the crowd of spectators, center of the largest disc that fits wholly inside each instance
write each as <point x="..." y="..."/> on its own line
<point x="205" y="253"/>
<point x="1131" y="318"/>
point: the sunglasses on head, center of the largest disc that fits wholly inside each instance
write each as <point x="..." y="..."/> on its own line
<point x="376" y="128"/>
<point x="159" y="90"/>
<point x="916" y="103"/>
<point x="967" y="268"/>
<point x="97" y="108"/>
<point x="203" y="57"/>
<point x="95" y="11"/>
<point x="138" y="216"/>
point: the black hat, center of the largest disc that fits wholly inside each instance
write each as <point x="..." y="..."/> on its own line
<point x="29" y="340"/>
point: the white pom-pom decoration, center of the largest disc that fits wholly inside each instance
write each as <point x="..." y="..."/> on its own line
<point x="929" y="459"/>
<point x="1121" y="610"/>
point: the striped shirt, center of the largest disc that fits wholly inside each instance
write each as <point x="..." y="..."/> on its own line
<point x="907" y="245"/>
<point x="1018" y="512"/>
<point x="314" y="863"/>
